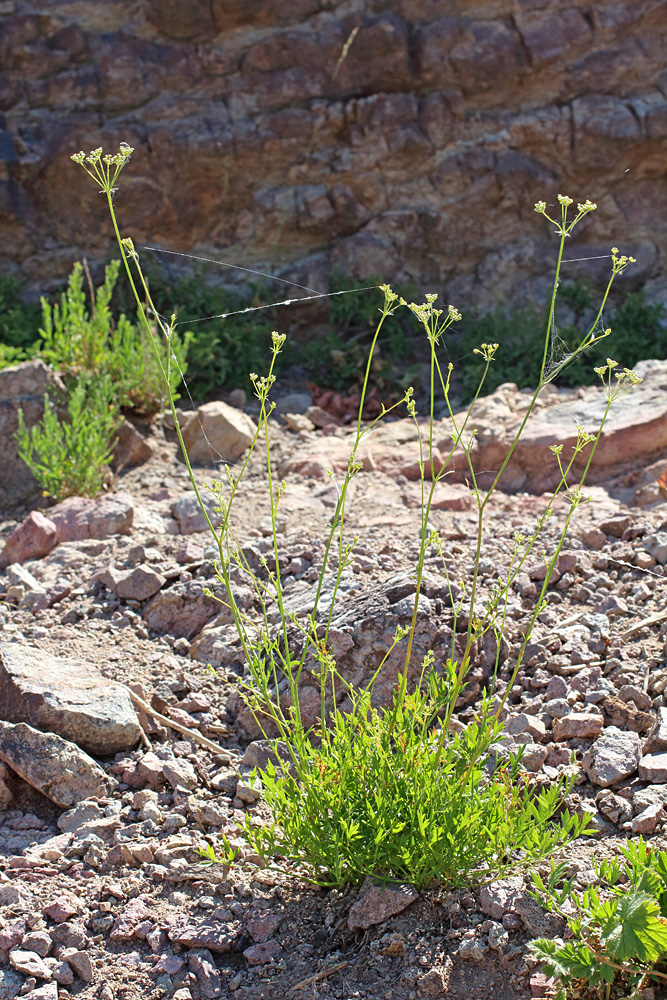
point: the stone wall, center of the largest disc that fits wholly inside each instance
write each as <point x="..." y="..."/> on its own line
<point x="417" y="157"/>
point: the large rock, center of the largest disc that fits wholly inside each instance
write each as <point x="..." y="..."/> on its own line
<point x="217" y="433"/>
<point x="66" y="696"/>
<point x="78" y="518"/>
<point x="378" y="902"/>
<point x="441" y="118"/>
<point x="362" y="630"/>
<point x="54" y="766"/>
<point x="636" y="428"/>
<point x="22" y="387"/>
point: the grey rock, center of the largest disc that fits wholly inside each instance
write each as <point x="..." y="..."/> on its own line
<point x="37" y="941"/>
<point x="616" y="809"/>
<point x="653" y="795"/>
<point x="614" y="756"/>
<point x="82" y="813"/>
<point x="67" y="697"/>
<point x="10" y="984"/>
<point x="213" y="937"/>
<point x="537" y="922"/>
<point x="189" y="515"/>
<point x="498" y="898"/>
<point x="49" y="991"/>
<point x="656" y="546"/>
<point x="55" y="767"/>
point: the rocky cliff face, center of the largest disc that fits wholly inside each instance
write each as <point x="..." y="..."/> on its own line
<point x="406" y="139"/>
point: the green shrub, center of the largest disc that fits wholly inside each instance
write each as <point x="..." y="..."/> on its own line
<point x="221" y="352"/>
<point x="19" y="322"/>
<point x="70" y="457"/>
<point x="80" y="342"/>
<point x="377" y="793"/>
<point x="617" y="932"/>
<point x="639" y="331"/>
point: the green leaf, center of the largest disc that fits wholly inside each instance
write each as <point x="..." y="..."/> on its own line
<point x="635" y="930"/>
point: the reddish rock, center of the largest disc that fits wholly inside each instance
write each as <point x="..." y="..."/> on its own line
<point x="32" y="539"/>
<point x="262" y="926"/>
<point x="60" y="909"/>
<point x="132" y="447"/>
<point x="189" y="553"/>
<point x="578" y="725"/>
<point x="133" y="913"/>
<point x="78" y="518"/>
<point x="22" y="387"/>
<point x="262" y="954"/>
<point x="377" y="902"/>
<point x="542" y="985"/>
<point x="52" y="765"/>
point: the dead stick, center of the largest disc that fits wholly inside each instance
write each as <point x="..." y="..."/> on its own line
<point x="653" y="620"/>
<point x="320" y="975"/>
<point x="192" y="733"/>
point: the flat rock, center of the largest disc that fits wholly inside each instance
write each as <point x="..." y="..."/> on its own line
<point x="139" y="584"/>
<point x="653" y="767"/>
<point x="29" y="963"/>
<point x="217" y="433"/>
<point x="614" y="756"/>
<point x="68" y="697"/>
<point x="637" y="428"/>
<point x="578" y="725"/>
<point x="214" y="937"/>
<point x="55" y="767"/>
<point x="377" y="902"/>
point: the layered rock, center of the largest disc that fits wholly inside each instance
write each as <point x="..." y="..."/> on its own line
<point x="405" y="139"/>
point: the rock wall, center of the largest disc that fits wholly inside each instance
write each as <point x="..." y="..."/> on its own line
<point x="406" y="139"/>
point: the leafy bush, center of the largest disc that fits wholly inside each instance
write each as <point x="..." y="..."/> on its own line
<point x="389" y="791"/>
<point x="81" y="342"/>
<point x="69" y="457"/>
<point x="618" y="932"/>
<point x="221" y="352"/>
<point x="377" y="792"/>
